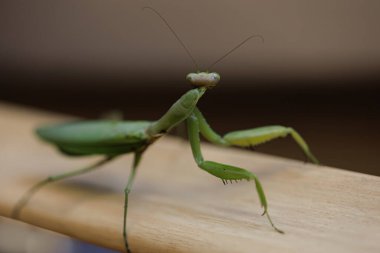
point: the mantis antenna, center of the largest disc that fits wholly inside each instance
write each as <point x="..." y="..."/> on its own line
<point x="236" y="47"/>
<point x="187" y="50"/>
<point x="175" y="34"/>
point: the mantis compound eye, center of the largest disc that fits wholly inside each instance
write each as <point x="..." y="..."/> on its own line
<point x="215" y="77"/>
<point x="189" y="78"/>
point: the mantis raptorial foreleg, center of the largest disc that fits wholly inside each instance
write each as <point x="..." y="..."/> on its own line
<point x="127" y="190"/>
<point x="223" y="171"/>
<point x="51" y="179"/>
<point x="252" y="137"/>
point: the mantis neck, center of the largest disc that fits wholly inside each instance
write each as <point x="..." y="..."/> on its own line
<point x="177" y="113"/>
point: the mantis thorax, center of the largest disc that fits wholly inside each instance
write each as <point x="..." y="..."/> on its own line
<point x="203" y="79"/>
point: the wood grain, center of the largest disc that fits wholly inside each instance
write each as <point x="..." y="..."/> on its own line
<point x="176" y="207"/>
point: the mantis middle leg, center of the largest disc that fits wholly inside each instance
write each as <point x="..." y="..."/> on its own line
<point x="127" y="190"/>
<point x="51" y="179"/>
<point x="223" y="171"/>
<point x="252" y="137"/>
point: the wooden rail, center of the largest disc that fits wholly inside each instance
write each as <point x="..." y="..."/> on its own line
<point x="176" y="207"/>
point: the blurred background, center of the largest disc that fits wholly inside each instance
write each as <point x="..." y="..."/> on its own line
<point x="317" y="70"/>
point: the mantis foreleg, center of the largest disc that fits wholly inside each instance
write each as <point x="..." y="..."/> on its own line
<point x="177" y="113"/>
<point x="127" y="190"/>
<point x="252" y="137"/>
<point x="223" y="171"/>
<point x="27" y="196"/>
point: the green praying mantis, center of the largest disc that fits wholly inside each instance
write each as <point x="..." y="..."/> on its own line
<point x="112" y="138"/>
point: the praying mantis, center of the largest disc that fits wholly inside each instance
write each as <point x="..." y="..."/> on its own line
<point x="113" y="138"/>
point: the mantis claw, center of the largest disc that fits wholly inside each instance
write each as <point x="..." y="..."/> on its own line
<point x="273" y="226"/>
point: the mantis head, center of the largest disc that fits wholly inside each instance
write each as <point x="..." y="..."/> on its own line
<point x="203" y="79"/>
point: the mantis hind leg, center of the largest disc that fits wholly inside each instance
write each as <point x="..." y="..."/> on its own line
<point x="253" y="137"/>
<point x="256" y="136"/>
<point x="29" y="194"/>
<point x="127" y="190"/>
<point x="223" y="171"/>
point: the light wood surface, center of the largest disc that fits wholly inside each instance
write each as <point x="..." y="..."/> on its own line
<point x="176" y="207"/>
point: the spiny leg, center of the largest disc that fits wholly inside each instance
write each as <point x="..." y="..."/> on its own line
<point x="223" y="171"/>
<point x="29" y="194"/>
<point x="127" y="190"/>
<point x="253" y="137"/>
